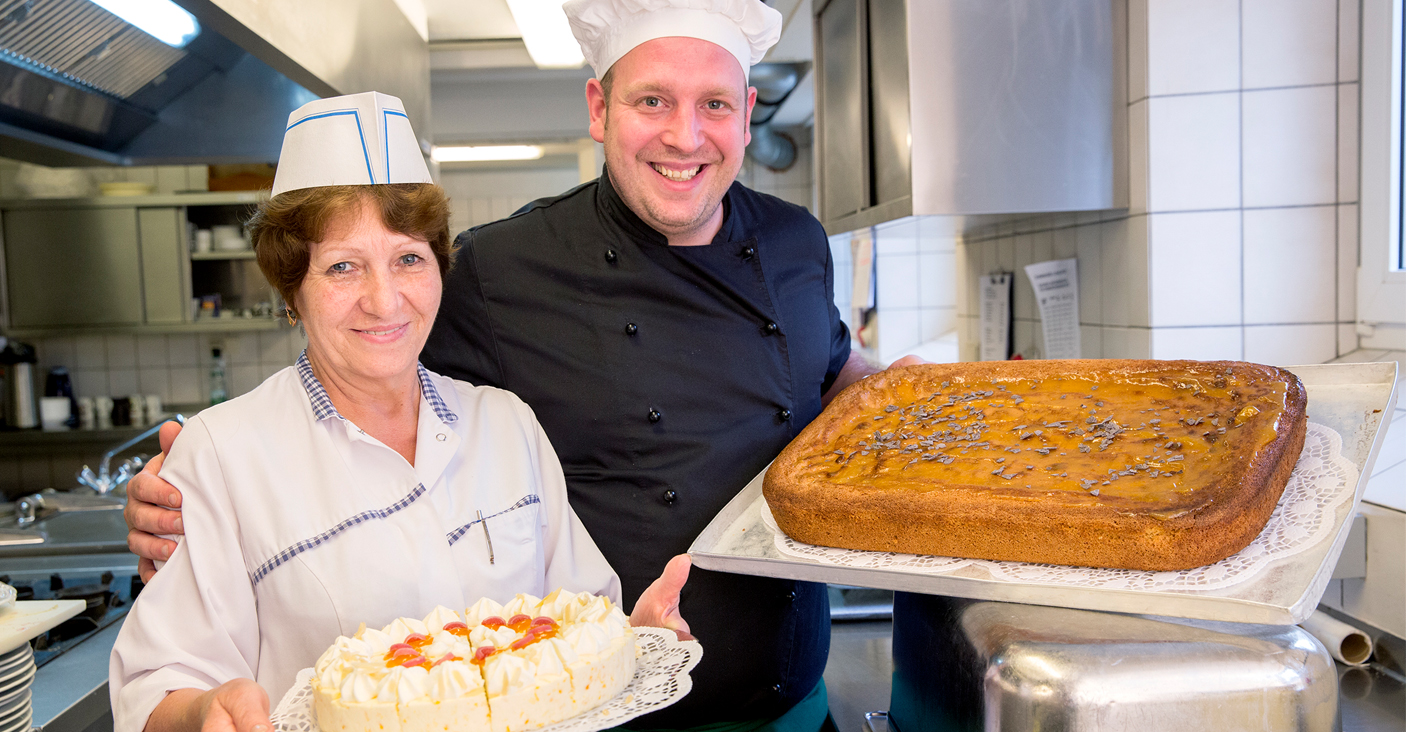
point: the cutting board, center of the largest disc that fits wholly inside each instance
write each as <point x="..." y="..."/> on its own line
<point x="29" y="618"/>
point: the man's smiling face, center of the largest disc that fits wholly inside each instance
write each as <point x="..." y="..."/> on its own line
<point x="674" y="127"/>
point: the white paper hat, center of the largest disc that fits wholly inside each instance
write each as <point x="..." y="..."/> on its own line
<point x="609" y="29"/>
<point x="355" y="140"/>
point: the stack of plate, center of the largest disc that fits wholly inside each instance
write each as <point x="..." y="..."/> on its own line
<point x="16" y="674"/>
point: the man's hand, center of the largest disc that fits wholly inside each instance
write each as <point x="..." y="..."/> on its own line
<point x="858" y="367"/>
<point x="658" y="606"/>
<point x="909" y="360"/>
<point x="153" y="507"/>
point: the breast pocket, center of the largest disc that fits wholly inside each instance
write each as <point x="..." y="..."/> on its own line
<point x="504" y="554"/>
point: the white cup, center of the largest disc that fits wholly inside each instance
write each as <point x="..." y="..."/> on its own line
<point x="204" y="240"/>
<point x="54" y="412"/>
<point x="139" y="409"/>
<point x="85" y="413"/>
<point x="102" y="412"/>
<point x="153" y="408"/>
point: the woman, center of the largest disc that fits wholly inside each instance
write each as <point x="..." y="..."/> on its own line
<point x="355" y="486"/>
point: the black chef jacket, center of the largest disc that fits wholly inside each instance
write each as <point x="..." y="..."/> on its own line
<point x="666" y="379"/>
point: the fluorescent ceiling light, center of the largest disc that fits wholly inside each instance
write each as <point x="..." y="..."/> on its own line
<point x="483" y="153"/>
<point x="162" y="19"/>
<point x="546" y="33"/>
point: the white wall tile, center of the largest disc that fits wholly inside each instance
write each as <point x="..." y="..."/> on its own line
<point x="936" y="322"/>
<point x="1023" y="298"/>
<point x="58" y="351"/>
<point x="1006" y="254"/>
<point x="1027" y="339"/>
<point x="183" y="350"/>
<point x="962" y="273"/>
<point x="937" y="276"/>
<point x="1348" y="40"/>
<point x="1290" y="146"/>
<point x="1194" y="152"/>
<point x="122" y="382"/>
<point x="240" y="349"/>
<point x="155" y="381"/>
<point x="1195" y="268"/>
<point x="90" y="352"/>
<point x="1138" y="49"/>
<point x="89" y="382"/>
<point x="1290" y="262"/>
<point x="898" y="332"/>
<point x="1088" y="270"/>
<point x="1091" y="341"/>
<point x="1193" y="46"/>
<point x="1348" y="143"/>
<point x="1062" y="243"/>
<point x="186" y="386"/>
<point x="937" y="233"/>
<point x="1348" y="339"/>
<point x="896" y="281"/>
<point x="243" y="379"/>
<point x="121" y="351"/>
<point x="1113" y="274"/>
<point x="1289" y="42"/>
<point x="1290" y="345"/>
<point x="1348" y="264"/>
<point x="1202" y="344"/>
<point x="273" y="347"/>
<point x="151" y="351"/>
<point x="1126" y="343"/>
<point x="1042" y="247"/>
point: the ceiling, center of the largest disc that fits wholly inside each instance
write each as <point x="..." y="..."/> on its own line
<point x="484" y="85"/>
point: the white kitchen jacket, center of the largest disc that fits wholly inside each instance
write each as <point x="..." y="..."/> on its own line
<point x="300" y="527"/>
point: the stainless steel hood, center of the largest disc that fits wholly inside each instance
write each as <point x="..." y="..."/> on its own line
<point x="80" y="86"/>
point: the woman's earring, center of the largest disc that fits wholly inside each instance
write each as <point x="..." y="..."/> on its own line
<point x="288" y="313"/>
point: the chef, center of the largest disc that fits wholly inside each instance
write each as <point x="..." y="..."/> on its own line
<point x="355" y="486"/>
<point x="671" y="329"/>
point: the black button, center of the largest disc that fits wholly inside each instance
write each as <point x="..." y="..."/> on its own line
<point x="655" y="415"/>
<point x="792" y="596"/>
<point x="777" y="688"/>
<point x="784" y="414"/>
<point x="631" y="329"/>
<point x="747" y="252"/>
<point x="611" y="256"/>
<point x="670" y="495"/>
<point x="770" y="328"/>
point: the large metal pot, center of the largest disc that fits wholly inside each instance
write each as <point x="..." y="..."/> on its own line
<point x="967" y="665"/>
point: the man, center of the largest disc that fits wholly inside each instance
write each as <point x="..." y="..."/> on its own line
<point x="671" y="329"/>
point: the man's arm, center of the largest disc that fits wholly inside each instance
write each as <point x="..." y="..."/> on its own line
<point x="858" y="367"/>
<point x="153" y="507"/>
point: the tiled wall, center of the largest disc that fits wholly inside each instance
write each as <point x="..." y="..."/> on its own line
<point x="177" y="367"/>
<point x="1241" y="236"/>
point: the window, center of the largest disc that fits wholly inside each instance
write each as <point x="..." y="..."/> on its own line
<point x="1382" y="302"/>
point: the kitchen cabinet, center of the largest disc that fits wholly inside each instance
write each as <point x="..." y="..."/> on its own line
<point x="956" y="107"/>
<point x="125" y="264"/>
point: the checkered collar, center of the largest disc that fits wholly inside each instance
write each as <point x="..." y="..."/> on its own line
<point x="322" y="404"/>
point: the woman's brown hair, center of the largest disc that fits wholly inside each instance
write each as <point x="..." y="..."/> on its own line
<point x="285" y="225"/>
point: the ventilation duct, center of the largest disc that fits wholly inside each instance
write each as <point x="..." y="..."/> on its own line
<point x="774" y="83"/>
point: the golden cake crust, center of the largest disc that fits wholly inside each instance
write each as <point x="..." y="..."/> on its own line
<point x="1173" y="465"/>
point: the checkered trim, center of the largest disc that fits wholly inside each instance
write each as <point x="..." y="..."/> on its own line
<point x="322" y="404"/>
<point x="523" y="502"/>
<point x="306" y="544"/>
<point x="432" y="395"/>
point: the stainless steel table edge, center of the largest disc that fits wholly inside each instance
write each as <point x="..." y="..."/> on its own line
<point x="739" y="515"/>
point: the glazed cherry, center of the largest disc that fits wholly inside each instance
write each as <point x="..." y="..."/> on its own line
<point x="419" y="660"/>
<point x="544" y="620"/>
<point x="417" y="640"/>
<point x="520" y="622"/>
<point x="493" y="622"/>
<point x="459" y="629"/>
<point x="446" y="657"/>
<point x="482" y="654"/>
<point x="399" y="653"/>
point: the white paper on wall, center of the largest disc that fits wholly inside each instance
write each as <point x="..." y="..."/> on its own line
<point x="995" y="315"/>
<point x="1057" y="289"/>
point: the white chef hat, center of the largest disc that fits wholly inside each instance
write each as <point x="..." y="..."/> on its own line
<point x="609" y="29"/>
<point x="353" y="140"/>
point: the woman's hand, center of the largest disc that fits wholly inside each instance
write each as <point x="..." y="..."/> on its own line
<point x="153" y="507"/>
<point x="234" y="706"/>
<point x="658" y="606"/>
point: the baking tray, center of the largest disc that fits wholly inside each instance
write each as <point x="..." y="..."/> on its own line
<point x="1353" y="399"/>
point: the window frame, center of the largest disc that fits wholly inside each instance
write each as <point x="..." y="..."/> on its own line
<point x="1382" y="296"/>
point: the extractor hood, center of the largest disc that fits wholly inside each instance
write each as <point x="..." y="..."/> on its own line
<point x="81" y="86"/>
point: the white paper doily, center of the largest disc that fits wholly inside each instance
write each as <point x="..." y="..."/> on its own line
<point x="1322" y="482"/>
<point x="661" y="678"/>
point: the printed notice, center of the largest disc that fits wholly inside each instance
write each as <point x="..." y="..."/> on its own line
<point x="995" y="315"/>
<point x="1057" y="290"/>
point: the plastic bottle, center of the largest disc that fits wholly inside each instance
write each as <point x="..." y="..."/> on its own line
<point x="219" y="388"/>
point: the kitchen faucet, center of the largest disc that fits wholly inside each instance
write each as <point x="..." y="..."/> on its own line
<point x="104" y="483"/>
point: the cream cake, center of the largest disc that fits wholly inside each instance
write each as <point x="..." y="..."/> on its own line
<point x="497" y="668"/>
